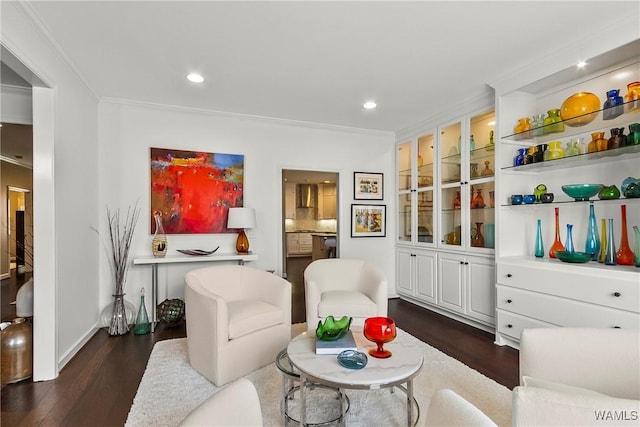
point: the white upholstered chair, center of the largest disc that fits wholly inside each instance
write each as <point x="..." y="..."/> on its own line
<point x="578" y="376"/>
<point x="448" y="409"/>
<point x="238" y="319"/>
<point x="344" y="287"/>
<point x="237" y="404"/>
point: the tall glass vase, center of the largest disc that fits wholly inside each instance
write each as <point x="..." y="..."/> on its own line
<point x="636" y="253"/>
<point x="539" y="248"/>
<point x="568" y="243"/>
<point x="118" y="324"/>
<point x="142" y="325"/>
<point x="610" y="253"/>
<point x="603" y="240"/>
<point x="625" y="254"/>
<point x="557" y="243"/>
<point x="592" y="245"/>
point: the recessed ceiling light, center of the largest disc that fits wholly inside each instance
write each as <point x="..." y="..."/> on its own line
<point x="622" y="75"/>
<point x="195" y="78"/>
<point x="491" y="123"/>
<point x="369" y="105"/>
<point x="581" y="64"/>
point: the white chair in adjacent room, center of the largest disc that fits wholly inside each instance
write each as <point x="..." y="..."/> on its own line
<point x="238" y="319"/>
<point x="344" y="287"/>
<point x="237" y="404"/>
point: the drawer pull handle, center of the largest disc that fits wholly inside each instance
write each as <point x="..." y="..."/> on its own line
<point x="509" y="325"/>
<point x="509" y="275"/>
<point x="616" y="327"/>
<point x="617" y="294"/>
<point x="509" y="301"/>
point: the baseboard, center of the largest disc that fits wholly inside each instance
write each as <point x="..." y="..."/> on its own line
<point x="68" y="355"/>
<point x="4" y="276"/>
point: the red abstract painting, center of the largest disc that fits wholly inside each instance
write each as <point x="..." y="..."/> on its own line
<point x="194" y="190"/>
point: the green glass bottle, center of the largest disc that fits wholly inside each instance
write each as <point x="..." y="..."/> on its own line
<point x="142" y="325"/>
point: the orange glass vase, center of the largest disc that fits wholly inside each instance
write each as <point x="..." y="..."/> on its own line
<point x="632" y="97"/>
<point x="580" y="109"/>
<point x="557" y="243"/>
<point x="379" y="330"/>
<point x="625" y="254"/>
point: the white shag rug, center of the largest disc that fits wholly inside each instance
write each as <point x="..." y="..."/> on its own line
<point x="170" y="389"/>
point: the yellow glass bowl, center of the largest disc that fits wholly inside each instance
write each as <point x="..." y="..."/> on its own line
<point x="580" y="109"/>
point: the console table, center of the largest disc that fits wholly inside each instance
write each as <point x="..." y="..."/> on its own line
<point x="175" y="259"/>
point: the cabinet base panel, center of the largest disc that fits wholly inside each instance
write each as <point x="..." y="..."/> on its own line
<point x="455" y="316"/>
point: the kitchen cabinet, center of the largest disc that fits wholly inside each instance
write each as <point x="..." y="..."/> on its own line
<point x="290" y="200"/>
<point x="300" y="244"/>
<point x="445" y="188"/>
<point x="416" y="274"/>
<point x="327" y="199"/>
<point x="544" y="291"/>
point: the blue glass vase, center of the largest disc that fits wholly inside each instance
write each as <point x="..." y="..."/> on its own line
<point x="539" y="249"/>
<point x="613" y="106"/>
<point x="568" y="244"/>
<point x="592" y="245"/>
<point x="610" y="257"/>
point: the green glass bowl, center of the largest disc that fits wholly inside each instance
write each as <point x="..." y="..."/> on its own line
<point x="582" y="192"/>
<point x="575" y="257"/>
<point x="333" y="329"/>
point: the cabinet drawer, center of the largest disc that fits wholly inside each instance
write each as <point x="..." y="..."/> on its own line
<point x="511" y="324"/>
<point x="562" y="311"/>
<point x="305" y="239"/>
<point x="607" y="287"/>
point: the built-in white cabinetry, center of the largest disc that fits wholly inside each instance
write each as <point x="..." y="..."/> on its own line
<point x="327" y="201"/>
<point x="416" y="274"/>
<point x="445" y="202"/>
<point x="290" y="200"/>
<point x="545" y="292"/>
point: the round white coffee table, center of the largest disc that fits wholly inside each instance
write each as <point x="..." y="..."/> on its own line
<point x="400" y="368"/>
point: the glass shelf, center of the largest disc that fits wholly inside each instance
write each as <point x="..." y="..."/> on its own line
<point x="565" y="202"/>
<point x="578" y="160"/>
<point x="598" y="124"/>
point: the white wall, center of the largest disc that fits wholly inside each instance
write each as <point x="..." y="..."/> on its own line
<point x="127" y="131"/>
<point x="67" y="319"/>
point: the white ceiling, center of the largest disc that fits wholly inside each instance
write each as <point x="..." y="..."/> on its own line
<point x="313" y="61"/>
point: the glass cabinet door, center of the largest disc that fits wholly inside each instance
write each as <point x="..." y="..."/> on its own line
<point x="424" y="194"/>
<point x="481" y="180"/>
<point x="451" y="186"/>
<point x="404" y="191"/>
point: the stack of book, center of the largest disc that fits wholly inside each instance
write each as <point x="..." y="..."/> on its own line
<point x="347" y="342"/>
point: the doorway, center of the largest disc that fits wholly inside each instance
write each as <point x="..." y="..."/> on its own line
<point x="309" y="227"/>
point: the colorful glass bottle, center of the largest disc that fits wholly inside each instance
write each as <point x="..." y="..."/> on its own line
<point x="613" y="106"/>
<point x="603" y="240"/>
<point x="618" y="139"/>
<point x="592" y="245"/>
<point x="553" y="121"/>
<point x="159" y="242"/>
<point x="477" y="240"/>
<point x="539" y="248"/>
<point x="610" y="253"/>
<point x="624" y="255"/>
<point x="537" y="124"/>
<point x="568" y="243"/>
<point x="632" y="98"/>
<point x="557" y="243"/>
<point x="636" y="252"/>
<point x="142" y="325"/>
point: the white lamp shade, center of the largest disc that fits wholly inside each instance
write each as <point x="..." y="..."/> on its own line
<point x="241" y="218"/>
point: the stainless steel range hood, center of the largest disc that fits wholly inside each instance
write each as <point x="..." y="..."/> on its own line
<point x="307" y="194"/>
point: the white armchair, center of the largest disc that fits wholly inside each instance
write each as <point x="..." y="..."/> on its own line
<point x="449" y="409"/>
<point x="578" y="376"/>
<point x="238" y="319"/>
<point x="344" y="287"/>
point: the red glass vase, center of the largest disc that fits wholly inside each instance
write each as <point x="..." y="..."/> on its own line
<point x="624" y="254"/>
<point x="557" y="243"/>
<point x="380" y="330"/>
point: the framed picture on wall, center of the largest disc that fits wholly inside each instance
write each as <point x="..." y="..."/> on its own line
<point x="368" y="220"/>
<point x="367" y="186"/>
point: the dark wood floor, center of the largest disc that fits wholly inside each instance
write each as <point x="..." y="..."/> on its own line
<point x="98" y="385"/>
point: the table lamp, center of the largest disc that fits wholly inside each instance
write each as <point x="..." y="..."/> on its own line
<point x="241" y="218"/>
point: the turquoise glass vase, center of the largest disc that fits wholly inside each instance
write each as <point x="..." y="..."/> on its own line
<point x="610" y="257"/>
<point x="539" y="249"/>
<point x="636" y="247"/>
<point x="592" y="245"/>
